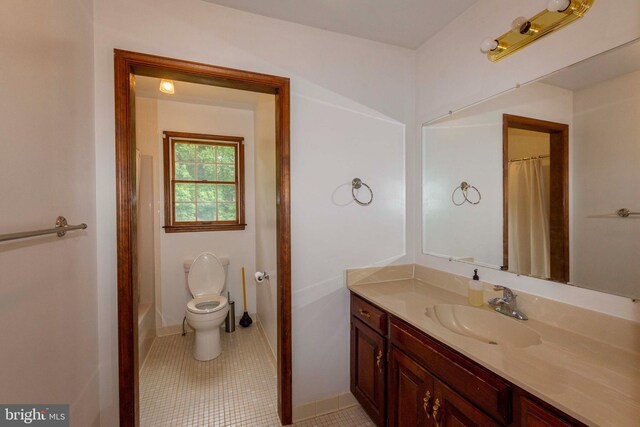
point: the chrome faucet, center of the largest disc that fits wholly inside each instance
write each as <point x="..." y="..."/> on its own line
<point x="507" y="304"/>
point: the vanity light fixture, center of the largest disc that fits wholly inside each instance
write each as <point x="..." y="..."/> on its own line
<point x="166" y="86"/>
<point x="524" y="31"/>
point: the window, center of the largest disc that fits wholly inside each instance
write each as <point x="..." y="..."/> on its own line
<point x="203" y="182"/>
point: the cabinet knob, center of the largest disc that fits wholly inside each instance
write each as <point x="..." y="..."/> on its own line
<point x="379" y="361"/>
<point x="427" y="403"/>
<point x="364" y="313"/>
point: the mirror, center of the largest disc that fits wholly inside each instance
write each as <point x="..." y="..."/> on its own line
<point x="543" y="180"/>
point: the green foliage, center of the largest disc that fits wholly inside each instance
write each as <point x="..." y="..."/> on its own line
<point x="226" y="173"/>
<point x="226" y="154"/>
<point x="205" y="202"/>
<point x="206" y="211"/>
<point x="206" y="172"/>
<point x="185" y="193"/>
<point x="185" y="212"/>
<point x="206" y="193"/>
<point x="206" y="153"/>
<point x="226" y="193"/>
<point x="185" y="171"/>
<point x="226" y="211"/>
<point x="184" y="152"/>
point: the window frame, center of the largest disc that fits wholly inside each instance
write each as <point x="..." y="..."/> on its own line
<point x="170" y="139"/>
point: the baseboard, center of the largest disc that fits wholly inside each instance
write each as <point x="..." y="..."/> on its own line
<point x="323" y="406"/>
<point x="265" y="341"/>
<point x="172" y="330"/>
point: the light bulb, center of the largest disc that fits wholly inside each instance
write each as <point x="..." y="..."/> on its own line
<point x="166" y="86"/>
<point x="488" y="44"/>
<point x="518" y="24"/>
<point x="558" y="5"/>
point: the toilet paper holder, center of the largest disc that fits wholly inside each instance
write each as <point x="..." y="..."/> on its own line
<point x="261" y="276"/>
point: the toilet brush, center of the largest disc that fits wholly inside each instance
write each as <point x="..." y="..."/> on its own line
<point x="245" y="321"/>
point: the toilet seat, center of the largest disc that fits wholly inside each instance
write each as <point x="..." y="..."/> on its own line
<point x="206" y="275"/>
<point x="207" y="304"/>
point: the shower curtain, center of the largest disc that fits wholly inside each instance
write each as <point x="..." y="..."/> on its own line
<point x="528" y="216"/>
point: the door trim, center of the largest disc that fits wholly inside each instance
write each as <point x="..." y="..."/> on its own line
<point x="126" y="65"/>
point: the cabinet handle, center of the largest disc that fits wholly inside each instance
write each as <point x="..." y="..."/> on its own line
<point x="379" y="361"/>
<point x="436" y="407"/>
<point x="427" y="402"/>
<point x="364" y="313"/>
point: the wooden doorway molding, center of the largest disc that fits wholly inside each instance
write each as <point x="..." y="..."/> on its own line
<point x="559" y="190"/>
<point x="127" y="65"/>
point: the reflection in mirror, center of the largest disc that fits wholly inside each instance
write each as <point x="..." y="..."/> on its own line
<point x="554" y="161"/>
<point x="536" y="223"/>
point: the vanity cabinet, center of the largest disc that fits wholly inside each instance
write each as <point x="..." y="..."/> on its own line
<point x="403" y="377"/>
<point x="368" y="370"/>
<point x="417" y="398"/>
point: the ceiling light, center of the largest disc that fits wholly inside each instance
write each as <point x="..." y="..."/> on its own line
<point x="558" y="5"/>
<point x="166" y="86"/>
<point x="488" y="44"/>
<point x="524" y="31"/>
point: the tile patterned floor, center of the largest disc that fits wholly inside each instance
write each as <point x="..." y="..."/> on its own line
<point x="236" y="389"/>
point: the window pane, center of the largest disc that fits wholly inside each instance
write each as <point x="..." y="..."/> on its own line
<point x="226" y="173"/>
<point x="185" y="192"/>
<point x="226" y="211"/>
<point x="206" y="211"/>
<point x="185" y="171"/>
<point x="206" y="172"/>
<point x="206" y="153"/>
<point x="206" y="193"/>
<point x="185" y="212"/>
<point x="226" y="154"/>
<point x="226" y="193"/>
<point x="185" y="152"/>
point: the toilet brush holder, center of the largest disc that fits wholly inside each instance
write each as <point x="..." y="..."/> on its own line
<point x="230" y="321"/>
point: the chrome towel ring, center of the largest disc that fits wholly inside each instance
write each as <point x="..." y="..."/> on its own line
<point x="356" y="184"/>
<point x="464" y="188"/>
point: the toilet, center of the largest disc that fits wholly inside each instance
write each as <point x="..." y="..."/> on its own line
<point x="208" y="308"/>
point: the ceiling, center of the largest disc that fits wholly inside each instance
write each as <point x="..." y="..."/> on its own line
<point x="405" y="23"/>
<point x="193" y="93"/>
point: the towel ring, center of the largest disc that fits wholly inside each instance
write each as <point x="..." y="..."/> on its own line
<point x="464" y="187"/>
<point x="356" y="184"/>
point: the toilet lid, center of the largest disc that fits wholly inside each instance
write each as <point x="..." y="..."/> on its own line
<point x="206" y="275"/>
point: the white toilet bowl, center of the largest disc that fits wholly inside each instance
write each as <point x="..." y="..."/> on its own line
<point x="208" y="309"/>
<point x="205" y="315"/>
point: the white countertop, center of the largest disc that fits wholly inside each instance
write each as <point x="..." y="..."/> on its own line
<point x="592" y="380"/>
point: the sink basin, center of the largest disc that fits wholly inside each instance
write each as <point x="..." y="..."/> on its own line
<point x="485" y="326"/>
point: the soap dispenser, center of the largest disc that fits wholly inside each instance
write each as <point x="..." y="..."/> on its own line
<point x="476" y="290"/>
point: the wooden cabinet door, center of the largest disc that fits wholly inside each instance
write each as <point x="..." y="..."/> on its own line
<point x="368" y="359"/>
<point x="534" y="415"/>
<point x="452" y="410"/>
<point x="410" y="395"/>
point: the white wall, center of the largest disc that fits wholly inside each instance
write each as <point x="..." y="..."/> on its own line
<point x="468" y="147"/>
<point x="266" y="231"/>
<point x="175" y="248"/>
<point x="606" y="157"/>
<point x="48" y="287"/>
<point x="351" y="100"/>
<point x="452" y="73"/>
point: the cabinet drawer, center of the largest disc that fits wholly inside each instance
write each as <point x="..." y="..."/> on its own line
<point x="473" y="382"/>
<point x="369" y="314"/>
